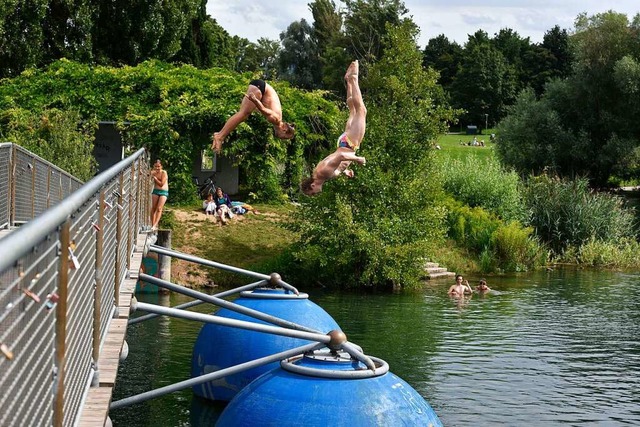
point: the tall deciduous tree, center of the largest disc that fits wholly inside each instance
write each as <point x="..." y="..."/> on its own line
<point x="298" y="61"/>
<point x="131" y="31"/>
<point x="329" y="40"/>
<point x="366" y="25"/>
<point x="22" y="35"/>
<point x="485" y="83"/>
<point x="593" y="111"/>
<point x="257" y="57"/>
<point x="67" y="30"/>
<point x="205" y="43"/>
<point x="443" y="56"/>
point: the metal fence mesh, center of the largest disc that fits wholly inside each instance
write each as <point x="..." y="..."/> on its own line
<point x="27" y="334"/>
<point x="5" y="184"/>
<point x="38" y="185"/>
<point x="29" y="342"/>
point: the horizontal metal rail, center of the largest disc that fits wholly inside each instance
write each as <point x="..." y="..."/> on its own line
<point x="226" y="304"/>
<point x="241" y="324"/>
<point x="214" y="375"/>
<point x="278" y="281"/>
<point x="199" y="302"/>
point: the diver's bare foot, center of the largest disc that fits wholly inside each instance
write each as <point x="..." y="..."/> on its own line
<point x="353" y="70"/>
<point x="361" y="160"/>
<point x="216" y="145"/>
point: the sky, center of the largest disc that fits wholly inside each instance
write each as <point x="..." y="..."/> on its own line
<point x="456" y="19"/>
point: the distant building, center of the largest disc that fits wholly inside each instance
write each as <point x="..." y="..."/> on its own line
<point x="472" y="130"/>
<point x="108" y="150"/>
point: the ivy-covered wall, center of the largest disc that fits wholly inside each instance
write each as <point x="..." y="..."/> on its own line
<point x="171" y="110"/>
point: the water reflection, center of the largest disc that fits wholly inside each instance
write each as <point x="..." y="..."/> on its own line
<point x="551" y="348"/>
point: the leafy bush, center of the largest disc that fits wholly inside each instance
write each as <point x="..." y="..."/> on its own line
<point x="516" y="249"/>
<point x="569" y="213"/>
<point x="499" y="245"/>
<point x="55" y="135"/>
<point x="486" y="184"/>
<point x="624" y="253"/>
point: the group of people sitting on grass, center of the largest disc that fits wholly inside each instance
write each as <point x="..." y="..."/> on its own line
<point x="474" y="143"/>
<point x="462" y="287"/>
<point x="220" y="206"/>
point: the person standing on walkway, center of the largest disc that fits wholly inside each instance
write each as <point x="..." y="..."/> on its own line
<point x="262" y="96"/>
<point x="159" y="194"/>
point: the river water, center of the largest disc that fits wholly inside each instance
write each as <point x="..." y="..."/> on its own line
<point x="549" y="348"/>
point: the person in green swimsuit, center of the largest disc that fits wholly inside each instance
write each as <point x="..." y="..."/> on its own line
<point x="159" y="194"/>
<point x="337" y="163"/>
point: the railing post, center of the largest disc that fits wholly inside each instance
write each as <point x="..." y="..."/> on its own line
<point x="61" y="323"/>
<point x="118" y="244"/>
<point x="33" y="187"/>
<point x="97" y="297"/>
<point x="131" y="230"/>
<point x="139" y="204"/>
<point x="12" y="174"/>
<point x="49" y="173"/>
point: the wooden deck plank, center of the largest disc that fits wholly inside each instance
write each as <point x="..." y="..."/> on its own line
<point x="96" y="406"/>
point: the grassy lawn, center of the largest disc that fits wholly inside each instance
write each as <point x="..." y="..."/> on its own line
<point x="246" y="241"/>
<point x="454" y="146"/>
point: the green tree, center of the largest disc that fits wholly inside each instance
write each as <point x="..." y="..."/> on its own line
<point x="298" y="61"/>
<point x="257" y="57"/>
<point x="366" y="25"/>
<point x="206" y="44"/>
<point x="21" y="36"/>
<point x="443" y="56"/>
<point x="556" y="41"/>
<point x="515" y="50"/>
<point x="131" y="31"/>
<point x="485" y="83"/>
<point x="67" y="30"/>
<point x="376" y="229"/>
<point x="327" y="24"/>
<point x="534" y="137"/>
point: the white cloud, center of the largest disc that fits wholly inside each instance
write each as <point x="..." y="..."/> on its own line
<point x="456" y="19"/>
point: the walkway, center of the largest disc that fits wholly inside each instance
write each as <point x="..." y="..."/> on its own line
<point x="96" y="407"/>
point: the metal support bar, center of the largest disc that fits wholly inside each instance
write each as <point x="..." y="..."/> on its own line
<point x="198" y="302"/>
<point x="61" y="324"/>
<point x="213" y="376"/>
<point x="225" y="304"/>
<point x="241" y="324"/>
<point x="202" y="261"/>
<point x="355" y="352"/>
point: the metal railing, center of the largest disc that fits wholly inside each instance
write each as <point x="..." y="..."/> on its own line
<point x="29" y="185"/>
<point x="60" y="276"/>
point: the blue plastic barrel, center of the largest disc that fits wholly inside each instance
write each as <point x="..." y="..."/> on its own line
<point x="219" y="347"/>
<point x="284" y="398"/>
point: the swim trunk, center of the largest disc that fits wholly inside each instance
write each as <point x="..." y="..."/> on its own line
<point x="344" y="141"/>
<point x="159" y="192"/>
<point x="260" y="84"/>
